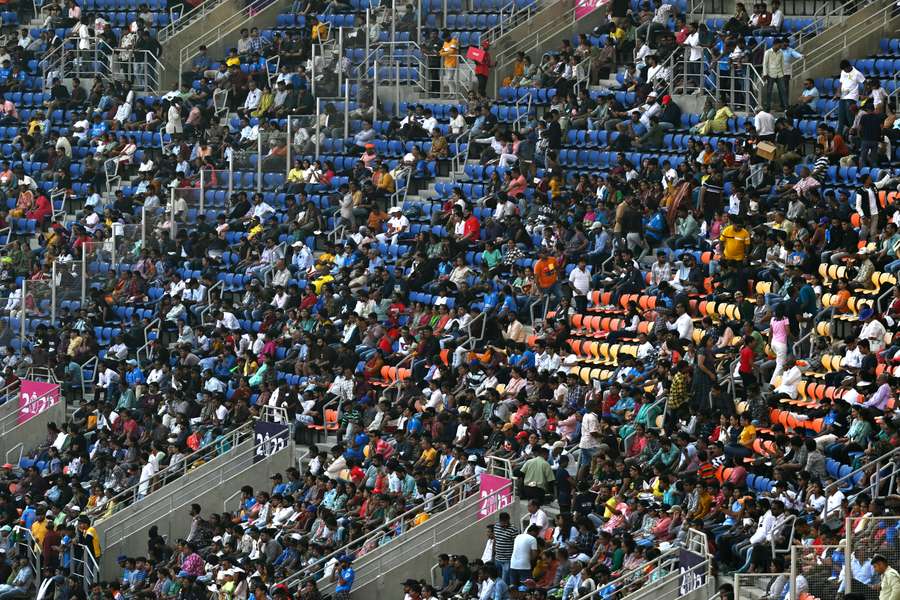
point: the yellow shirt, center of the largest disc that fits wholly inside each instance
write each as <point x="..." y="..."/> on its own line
<point x="38" y="531"/>
<point x="748" y="433"/>
<point x="429" y="457"/>
<point x="611" y="503"/>
<point x="734" y="242"/>
<point x="320" y="31"/>
<point x="233" y="61"/>
<point x="450" y="52"/>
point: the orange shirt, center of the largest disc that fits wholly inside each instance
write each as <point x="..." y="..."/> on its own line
<point x="840" y="301"/>
<point x="546" y="272"/>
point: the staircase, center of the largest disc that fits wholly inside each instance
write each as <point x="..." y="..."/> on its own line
<point x="211" y="486"/>
<point x="213" y="26"/>
<point x="413" y="549"/>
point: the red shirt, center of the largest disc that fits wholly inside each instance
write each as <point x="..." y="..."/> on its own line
<point x="472" y="229"/>
<point x="484" y="67"/>
<point x="746" y="364"/>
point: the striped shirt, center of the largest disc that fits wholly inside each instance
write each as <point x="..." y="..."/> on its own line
<point x="504" y="536"/>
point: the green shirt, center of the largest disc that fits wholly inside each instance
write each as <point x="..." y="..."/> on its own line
<point x="537" y="472"/>
<point x="491" y="258"/>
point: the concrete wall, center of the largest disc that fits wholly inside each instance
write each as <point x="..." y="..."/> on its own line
<point x="173" y="519"/>
<point x="197" y="476"/>
<point x="32" y="432"/>
<point x="465" y="538"/>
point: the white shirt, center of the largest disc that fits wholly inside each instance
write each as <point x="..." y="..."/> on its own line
<point x="228" y="321"/>
<point x="764" y="123"/>
<point x="764" y="529"/>
<point x="429" y="124"/>
<point x="651" y="111"/>
<point x="261" y="210"/>
<point x="458" y="124"/>
<point x="523" y="546"/>
<point x="580" y="280"/>
<point x="684" y="326"/>
<point x="874" y="332"/>
<point x="249" y="134"/>
<point x="850" y="83"/>
<point x="878" y="96"/>
<point x="833" y="504"/>
<point x="539" y="518"/>
<point x="546" y="362"/>
<point x="693" y="41"/>
<point x="253" y="98"/>
<point x="777" y="19"/>
<point x="398" y="224"/>
<point x="789" y="382"/>
<point x="589" y="424"/>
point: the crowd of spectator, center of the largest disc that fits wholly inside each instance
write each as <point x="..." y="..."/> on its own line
<point x="660" y="329"/>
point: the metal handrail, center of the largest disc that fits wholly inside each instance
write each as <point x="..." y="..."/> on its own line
<point x="218" y="285"/>
<point x="879" y="463"/>
<point x="30" y="550"/>
<point x="582" y="75"/>
<point x="422" y="537"/>
<point x="520" y="116"/>
<point x="516" y="16"/>
<point x="184" y="19"/>
<point x="533" y="41"/>
<point x="235" y="22"/>
<point x="172" y="472"/>
<point x="459" y="160"/>
<point x="309" y="572"/>
<point x="150" y="512"/>
<point x="95" y="361"/>
<point x="826" y="53"/>
<point x="11" y="421"/>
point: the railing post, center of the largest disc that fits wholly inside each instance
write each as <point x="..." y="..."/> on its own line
<point x="23" y="291"/>
<point x="397" y="88"/>
<point x="317" y="128"/>
<point x="393" y="21"/>
<point x="347" y="110"/>
<point x="53" y="293"/>
<point x="290" y="145"/>
<point x="312" y="84"/>
<point x="259" y="157"/>
<point x="341" y="56"/>
<point x="848" y="553"/>
<point x="83" y="274"/>
<point x="230" y="175"/>
<point x="114" y="233"/>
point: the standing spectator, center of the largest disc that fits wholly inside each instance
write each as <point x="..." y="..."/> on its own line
<point x="773" y="73"/>
<point x="848" y="94"/>
<point x="343" y="575"/>
<point x="504" y="539"/>
<point x="483" y="67"/>
<point x="450" y="54"/>
<point x="525" y="552"/>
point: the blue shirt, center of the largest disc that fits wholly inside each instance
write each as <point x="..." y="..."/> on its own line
<point x="345" y="580"/>
<point x="134" y="377"/>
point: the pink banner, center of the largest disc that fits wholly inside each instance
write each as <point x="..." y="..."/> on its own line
<point x="492" y="499"/>
<point x="35" y="397"/>
<point x="586" y="7"/>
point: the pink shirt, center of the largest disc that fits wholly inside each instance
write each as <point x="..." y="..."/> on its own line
<point x="779" y="330"/>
